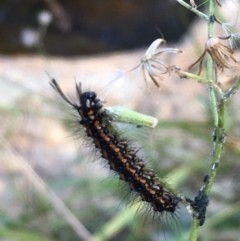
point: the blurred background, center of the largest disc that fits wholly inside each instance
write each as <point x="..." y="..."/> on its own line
<point x="87" y="27"/>
<point x="53" y="186"/>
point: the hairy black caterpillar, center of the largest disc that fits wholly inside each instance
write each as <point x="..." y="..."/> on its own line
<point x="121" y="157"/>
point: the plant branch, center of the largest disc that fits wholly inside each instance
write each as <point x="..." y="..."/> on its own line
<point x="189" y="7"/>
<point x="194" y="230"/>
<point x="218" y="116"/>
<point x="202" y="80"/>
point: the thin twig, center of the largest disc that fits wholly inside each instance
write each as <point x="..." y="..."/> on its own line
<point x="202" y="80"/>
<point x="189" y="7"/>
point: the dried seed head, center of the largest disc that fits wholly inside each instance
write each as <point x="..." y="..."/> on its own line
<point x="220" y="54"/>
<point x="151" y="66"/>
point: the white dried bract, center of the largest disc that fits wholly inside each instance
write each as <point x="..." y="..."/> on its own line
<point x="232" y="37"/>
<point x="150" y="64"/>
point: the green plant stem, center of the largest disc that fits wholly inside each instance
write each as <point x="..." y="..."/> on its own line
<point x="121" y="114"/>
<point x="220" y="136"/>
<point x="199" y="78"/>
<point x="218" y="117"/>
<point x="210" y="74"/>
<point x="189" y="7"/>
<point x="218" y="111"/>
<point x="194" y="230"/>
<point x="202" y="80"/>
